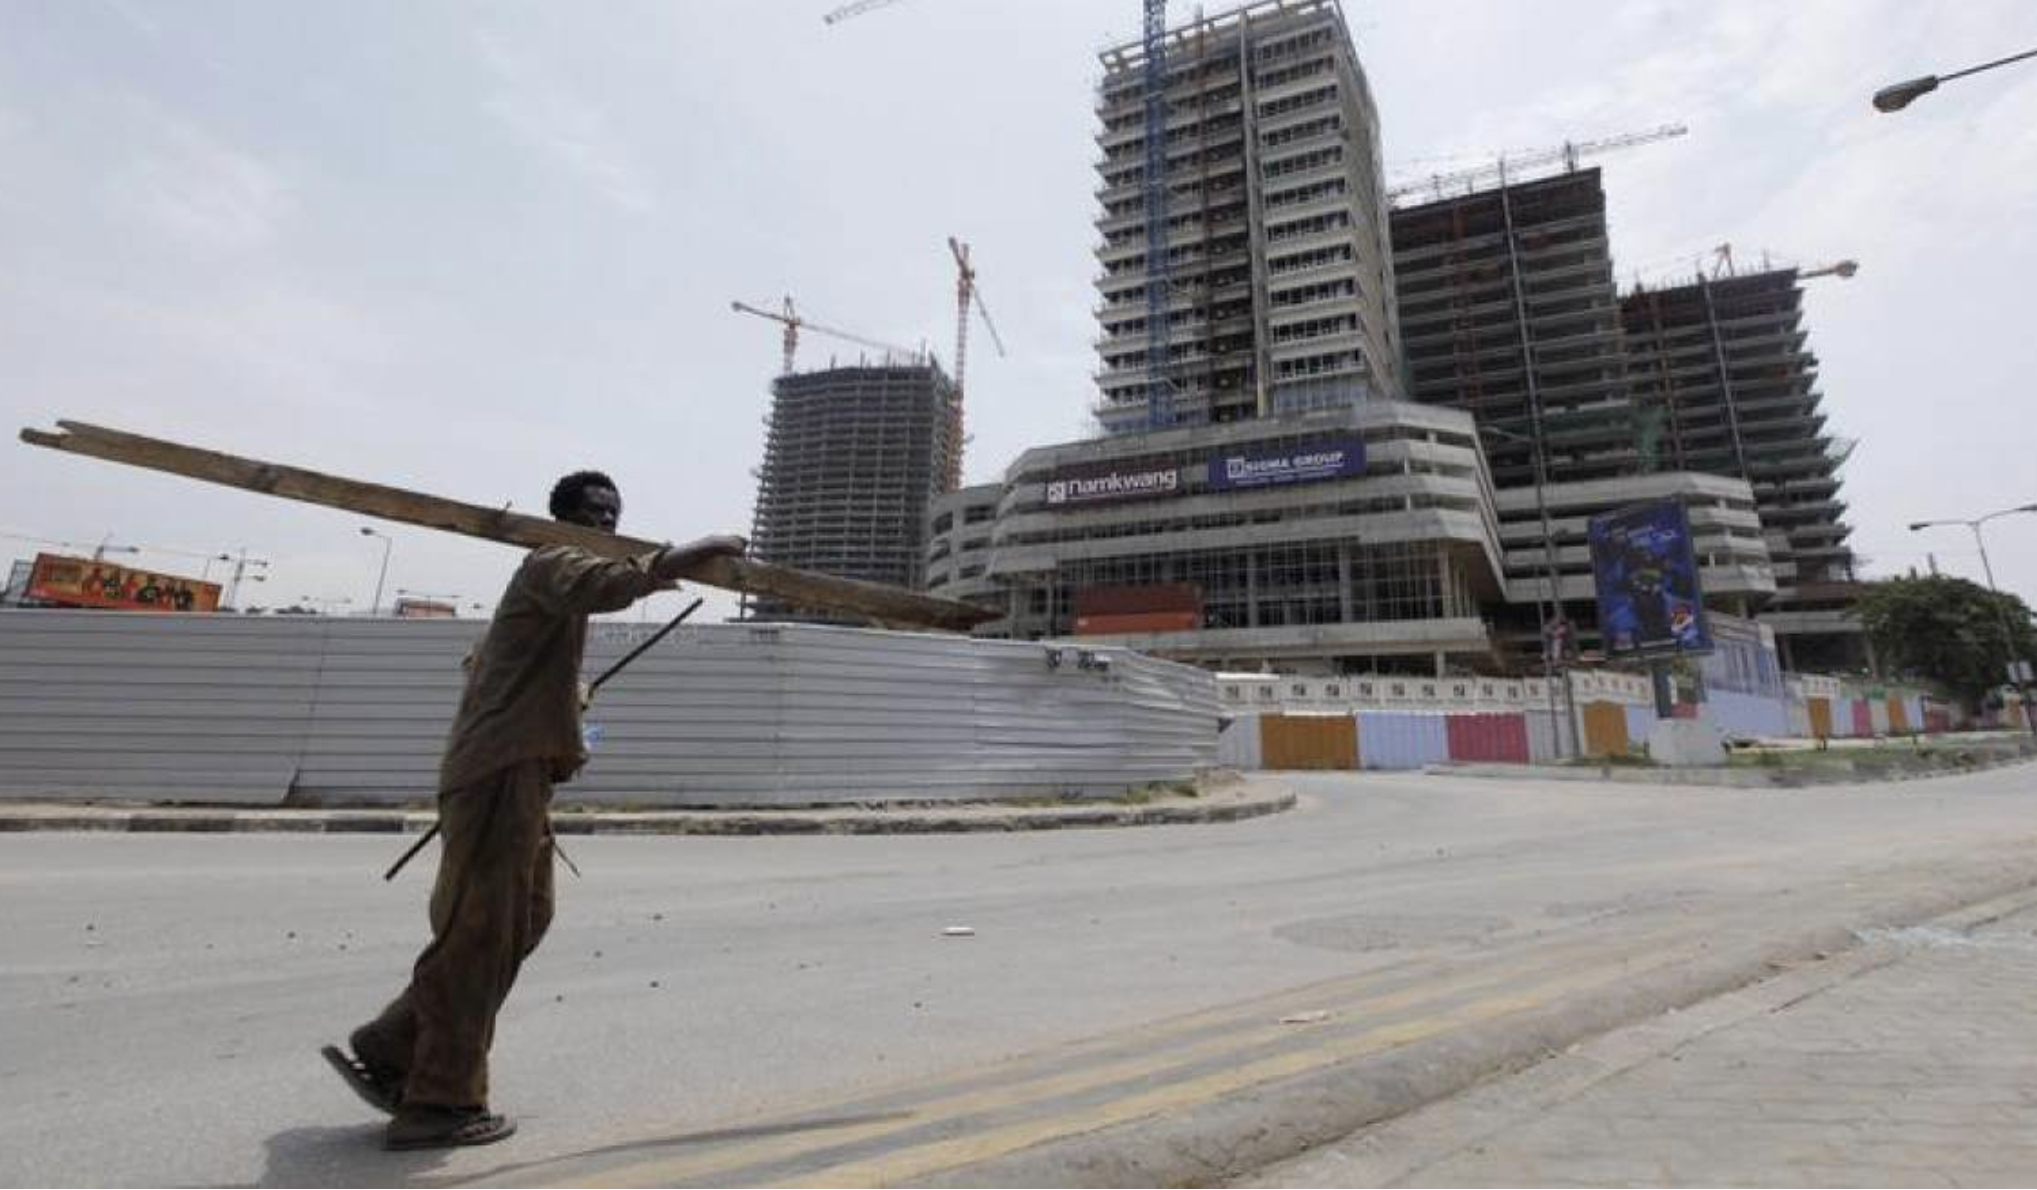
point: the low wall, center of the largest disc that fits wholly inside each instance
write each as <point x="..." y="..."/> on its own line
<point x="257" y="710"/>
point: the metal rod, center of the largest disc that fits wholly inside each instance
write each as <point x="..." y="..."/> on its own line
<point x="596" y="684"/>
<point x="1988" y="65"/>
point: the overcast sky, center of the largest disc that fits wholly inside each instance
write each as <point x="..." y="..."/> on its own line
<point x="465" y="248"/>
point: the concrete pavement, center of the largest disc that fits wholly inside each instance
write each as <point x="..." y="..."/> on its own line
<point x="1905" y="1061"/>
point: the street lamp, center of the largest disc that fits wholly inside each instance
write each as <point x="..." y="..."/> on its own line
<point x="1897" y="96"/>
<point x="2001" y="609"/>
<point x="383" y="577"/>
<point x="1551" y="610"/>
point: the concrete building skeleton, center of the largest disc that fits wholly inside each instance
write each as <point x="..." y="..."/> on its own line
<point x="1510" y="312"/>
<point x="851" y="458"/>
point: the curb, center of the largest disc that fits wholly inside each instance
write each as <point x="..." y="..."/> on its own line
<point x="1216" y="807"/>
<point x="1236" y="1137"/>
<point x="1742" y="778"/>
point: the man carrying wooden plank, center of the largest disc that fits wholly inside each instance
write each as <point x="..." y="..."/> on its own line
<point x="425" y="1058"/>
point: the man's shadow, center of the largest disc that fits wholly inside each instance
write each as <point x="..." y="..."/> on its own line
<point x="351" y="1156"/>
<point x="354" y="1156"/>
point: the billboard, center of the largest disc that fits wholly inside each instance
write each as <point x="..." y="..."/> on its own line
<point x="85" y="582"/>
<point x="1336" y="458"/>
<point x="1649" y="600"/>
<point x="1107" y="486"/>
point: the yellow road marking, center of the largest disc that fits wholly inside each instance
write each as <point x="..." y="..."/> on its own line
<point x="1037" y="1088"/>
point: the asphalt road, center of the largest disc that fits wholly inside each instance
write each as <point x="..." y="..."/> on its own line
<point x="783" y="1009"/>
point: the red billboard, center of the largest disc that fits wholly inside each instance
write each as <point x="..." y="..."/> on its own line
<point x="84" y="582"/>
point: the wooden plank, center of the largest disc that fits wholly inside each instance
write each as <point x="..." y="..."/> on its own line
<point x="881" y="603"/>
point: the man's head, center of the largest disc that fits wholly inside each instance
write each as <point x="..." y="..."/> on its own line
<point x="587" y="498"/>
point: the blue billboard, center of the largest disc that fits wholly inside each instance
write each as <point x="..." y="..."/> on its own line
<point x="1334" y="458"/>
<point x="1645" y="566"/>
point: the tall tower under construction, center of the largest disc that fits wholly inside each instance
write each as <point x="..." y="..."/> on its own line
<point x="1724" y="381"/>
<point x="1274" y="266"/>
<point x="851" y="457"/>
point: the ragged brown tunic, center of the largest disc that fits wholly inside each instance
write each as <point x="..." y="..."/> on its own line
<point x="522" y="700"/>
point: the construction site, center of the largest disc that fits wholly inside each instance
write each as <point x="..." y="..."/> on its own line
<point x="1269" y="300"/>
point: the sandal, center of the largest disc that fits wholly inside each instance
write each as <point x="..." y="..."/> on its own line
<point x="445" y="1128"/>
<point x="378" y="1086"/>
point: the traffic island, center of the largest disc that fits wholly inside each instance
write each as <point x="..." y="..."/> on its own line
<point x="1221" y="798"/>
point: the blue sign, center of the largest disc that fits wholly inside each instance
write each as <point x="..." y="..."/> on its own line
<point x="1645" y="566"/>
<point x="1335" y="458"/>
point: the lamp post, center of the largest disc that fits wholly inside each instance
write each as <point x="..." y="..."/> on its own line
<point x="383" y="577"/>
<point x="1550" y="609"/>
<point x="1994" y="594"/>
<point x="1897" y="96"/>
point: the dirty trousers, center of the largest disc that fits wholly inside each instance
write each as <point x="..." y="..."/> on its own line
<point x="490" y="907"/>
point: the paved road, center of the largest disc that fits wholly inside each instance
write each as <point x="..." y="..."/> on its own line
<point x="784" y="1009"/>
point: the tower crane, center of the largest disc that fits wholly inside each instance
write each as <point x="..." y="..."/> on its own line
<point x="1723" y="265"/>
<point x="966" y="295"/>
<point x="792" y="320"/>
<point x="1510" y="168"/>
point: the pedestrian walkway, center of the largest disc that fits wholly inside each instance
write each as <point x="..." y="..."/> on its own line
<point x="1909" y="1061"/>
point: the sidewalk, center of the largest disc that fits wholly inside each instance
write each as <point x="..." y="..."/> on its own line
<point x="1907" y="1061"/>
<point x="1223" y="800"/>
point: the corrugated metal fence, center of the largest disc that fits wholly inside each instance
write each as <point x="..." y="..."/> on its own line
<point x="321" y="709"/>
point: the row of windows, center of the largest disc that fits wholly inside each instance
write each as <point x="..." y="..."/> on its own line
<point x="1313" y="192"/>
<point x="1314" y="258"/>
<point x="1320" y="291"/>
<point x="1274" y="138"/>
<point x="1312" y="97"/>
<point x="1313" y="225"/>
<point x="1315" y="328"/>
<point x="1319" y="365"/>
<point x="1302" y="162"/>
<point x="1288" y="74"/>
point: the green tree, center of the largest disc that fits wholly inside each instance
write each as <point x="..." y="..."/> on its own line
<point x="1947" y="630"/>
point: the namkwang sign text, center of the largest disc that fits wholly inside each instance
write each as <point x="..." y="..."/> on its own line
<point x="1113" y="485"/>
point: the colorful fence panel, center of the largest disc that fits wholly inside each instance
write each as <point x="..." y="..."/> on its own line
<point x="1490" y="738"/>
<point x="1747" y="716"/>
<point x="1605" y="729"/>
<point x="1238" y="744"/>
<point x="1308" y="741"/>
<point x="1863" y="718"/>
<point x="1402" y="739"/>
<point x="1640" y="724"/>
<point x="1548" y="741"/>
<point x="1820" y="713"/>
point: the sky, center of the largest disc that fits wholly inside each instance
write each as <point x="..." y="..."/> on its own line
<point x="465" y="248"/>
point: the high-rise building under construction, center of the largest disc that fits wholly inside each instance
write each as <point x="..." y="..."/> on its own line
<point x="851" y="457"/>
<point x="1511" y="312"/>
<point x="1278" y="274"/>
<point x="1724" y="381"/>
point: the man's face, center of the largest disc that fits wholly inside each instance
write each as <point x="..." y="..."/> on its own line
<point x="600" y="508"/>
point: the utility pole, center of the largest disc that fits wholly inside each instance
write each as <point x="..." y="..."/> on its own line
<point x="241" y="565"/>
<point x="383" y="577"/>
<point x="2016" y="667"/>
<point x="1556" y="631"/>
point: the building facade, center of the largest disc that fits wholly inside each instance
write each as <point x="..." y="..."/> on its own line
<point x="1353" y="539"/>
<point x="851" y="458"/>
<point x="1281" y="294"/>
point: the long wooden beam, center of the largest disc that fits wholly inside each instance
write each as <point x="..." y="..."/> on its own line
<point x="881" y="603"/>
